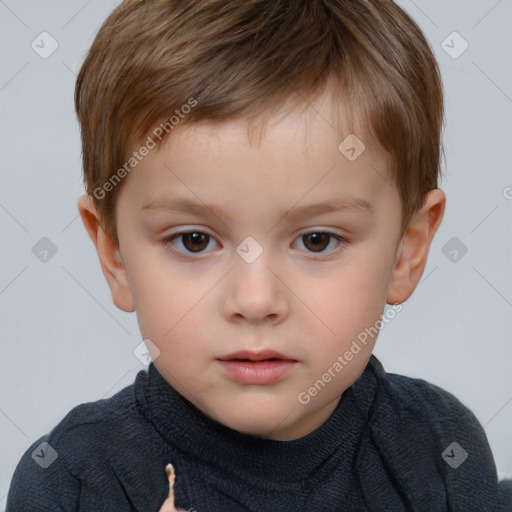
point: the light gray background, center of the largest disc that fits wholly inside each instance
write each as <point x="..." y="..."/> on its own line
<point x="65" y="343"/>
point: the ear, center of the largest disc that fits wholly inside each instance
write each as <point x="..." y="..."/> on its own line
<point x="108" y="254"/>
<point x="414" y="246"/>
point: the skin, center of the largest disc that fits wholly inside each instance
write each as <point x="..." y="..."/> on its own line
<point x="196" y="307"/>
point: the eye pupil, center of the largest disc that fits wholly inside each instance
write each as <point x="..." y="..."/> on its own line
<point x="319" y="241"/>
<point x="196" y="239"/>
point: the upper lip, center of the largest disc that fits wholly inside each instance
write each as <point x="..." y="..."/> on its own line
<point x="256" y="356"/>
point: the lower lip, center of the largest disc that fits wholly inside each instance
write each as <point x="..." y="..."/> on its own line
<point x="260" y="373"/>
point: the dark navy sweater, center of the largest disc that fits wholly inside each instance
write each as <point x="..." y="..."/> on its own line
<point x="388" y="446"/>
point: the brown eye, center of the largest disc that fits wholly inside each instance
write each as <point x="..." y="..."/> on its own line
<point x="320" y="242"/>
<point x="195" y="241"/>
<point x="317" y="242"/>
<point x="189" y="242"/>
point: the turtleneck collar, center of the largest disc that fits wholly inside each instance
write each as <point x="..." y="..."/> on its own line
<point x="191" y="432"/>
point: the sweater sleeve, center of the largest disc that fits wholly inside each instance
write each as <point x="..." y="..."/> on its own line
<point x="42" y="483"/>
<point x="468" y="462"/>
<point x="456" y="445"/>
<point x="505" y="495"/>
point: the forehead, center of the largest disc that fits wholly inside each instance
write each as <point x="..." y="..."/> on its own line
<point x="293" y="156"/>
<point x="325" y="116"/>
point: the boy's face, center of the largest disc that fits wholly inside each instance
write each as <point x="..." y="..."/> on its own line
<point x="201" y="297"/>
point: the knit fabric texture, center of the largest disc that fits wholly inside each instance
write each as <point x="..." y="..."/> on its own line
<point x="389" y="446"/>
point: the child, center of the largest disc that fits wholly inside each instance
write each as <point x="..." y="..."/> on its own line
<point x="260" y="268"/>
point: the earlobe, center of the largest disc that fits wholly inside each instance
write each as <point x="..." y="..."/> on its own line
<point x="414" y="246"/>
<point x="109" y="255"/>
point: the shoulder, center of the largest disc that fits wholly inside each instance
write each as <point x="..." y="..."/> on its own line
<point x="420" y="399"/>
<point x="423" y="399"/>
<point x="95" y="429"/>
<point x="82" y="446"/>
<point x="421" y="429"/>
<point x="428" y="414"/>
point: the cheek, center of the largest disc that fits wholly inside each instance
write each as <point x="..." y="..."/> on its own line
<point x="164" y="296"/>
<point x="348" y="305"/>
<point x="173" y="306"/>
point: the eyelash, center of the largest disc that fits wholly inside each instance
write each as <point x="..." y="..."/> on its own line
<point x="168" y="241"/>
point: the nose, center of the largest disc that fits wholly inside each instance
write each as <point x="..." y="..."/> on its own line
<point x="255" y="292"/>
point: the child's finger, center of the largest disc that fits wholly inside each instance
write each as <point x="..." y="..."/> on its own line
<point x="168" y="505"/>
<point x="171" y="475"/>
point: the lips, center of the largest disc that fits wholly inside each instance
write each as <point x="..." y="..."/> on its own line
<point x="250" y="355"/>
<point x="256" y="368"/>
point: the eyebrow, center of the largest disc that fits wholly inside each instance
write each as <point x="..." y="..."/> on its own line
<point x="186" y="205"/>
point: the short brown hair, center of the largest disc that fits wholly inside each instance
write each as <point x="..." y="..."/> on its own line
<point x="230" y="59"/>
